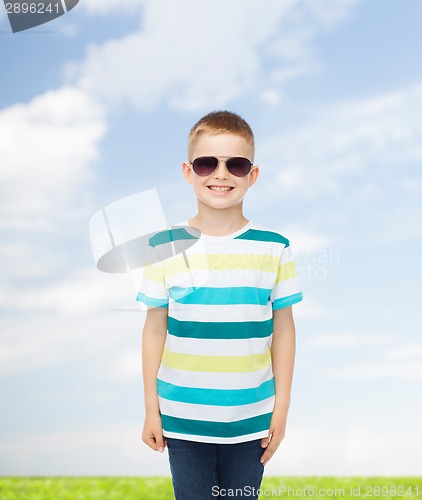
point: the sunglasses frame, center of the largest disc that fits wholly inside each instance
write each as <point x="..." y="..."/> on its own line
<point x="227" y="158"/>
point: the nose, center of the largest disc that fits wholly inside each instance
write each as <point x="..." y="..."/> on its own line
<point x="221" y="170"/>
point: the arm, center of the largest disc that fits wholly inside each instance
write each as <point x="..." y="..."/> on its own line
<point x="153" y="340"/>
<point x="283" y="350"/>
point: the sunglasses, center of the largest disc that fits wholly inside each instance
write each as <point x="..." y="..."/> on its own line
<point x="236" y="165"/>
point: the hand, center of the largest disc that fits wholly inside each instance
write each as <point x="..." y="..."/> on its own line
<point x="275" y="436"/>
<point x="152" y="434"/>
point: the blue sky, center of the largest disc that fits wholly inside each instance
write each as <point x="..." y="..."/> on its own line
<point x="97" y="105"/>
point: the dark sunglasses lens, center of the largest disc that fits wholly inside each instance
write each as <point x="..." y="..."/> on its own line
<point x="205" y="165"/>
<point x="239" y="166"/>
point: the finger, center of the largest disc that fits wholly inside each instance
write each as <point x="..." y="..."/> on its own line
<point x="266" y="440"/>
<point x="150" y="441"/>
<point x="269" y="452"/>
<point x="159" y="439"/>
<point x="266" y="456"/>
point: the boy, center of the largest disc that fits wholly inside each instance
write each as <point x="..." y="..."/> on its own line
<point x="218" y="358"/>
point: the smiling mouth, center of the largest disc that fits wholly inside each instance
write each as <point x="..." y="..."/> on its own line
<point x="220" y="189"/>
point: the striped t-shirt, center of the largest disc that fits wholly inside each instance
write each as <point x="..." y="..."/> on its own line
<point x="215" y="382"/>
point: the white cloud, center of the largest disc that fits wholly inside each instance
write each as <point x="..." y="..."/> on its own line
<point x="272" y="97"/>
<point x="331" y="12"/>
<point x="204" y="54"/>
<point x="47" y="148"/>
<point x="69" y="30"/>
<point x="83" y="291"/>
<point x="402" y="361"/>
<point x="114" y="7"/>
<point x="116" y="449"/>
<point x="126" y="367"/>
<point x="45" y="339"/>
<point x="69" y="318"/>
<point x="410" y="370"/>
<point x="313" y="310"/>
<point x="119" y="450"/>
<point x="389" y="359"/>
<point x="353" y="450"/>
<point x="353" y="141"/>
<point x="405" y="352"/>
<point x="347" y="339"/>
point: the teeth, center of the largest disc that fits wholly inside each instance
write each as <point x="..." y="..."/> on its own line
<point x="215" y="188"/>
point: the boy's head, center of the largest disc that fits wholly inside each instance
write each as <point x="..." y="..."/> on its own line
<point x="221" y="122"/>
<point x="220" y="159"/>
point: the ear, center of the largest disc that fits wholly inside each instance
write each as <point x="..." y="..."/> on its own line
<point x="253" y="175"/>
<point x="187" y="172"/>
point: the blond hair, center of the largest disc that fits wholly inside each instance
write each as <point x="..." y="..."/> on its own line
<point x="220" y="122"/>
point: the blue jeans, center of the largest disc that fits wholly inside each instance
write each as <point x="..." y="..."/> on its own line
<point x="201" y="471"/>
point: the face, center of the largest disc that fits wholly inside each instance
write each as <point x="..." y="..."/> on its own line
<point x="221" y="145"/>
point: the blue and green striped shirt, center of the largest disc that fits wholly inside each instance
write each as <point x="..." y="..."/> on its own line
<point x="215" y="383"/>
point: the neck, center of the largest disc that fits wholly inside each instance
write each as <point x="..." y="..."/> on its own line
<point x="218" y="222"/>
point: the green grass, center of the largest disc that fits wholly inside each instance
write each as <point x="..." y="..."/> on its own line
<point x="160" y="488"/>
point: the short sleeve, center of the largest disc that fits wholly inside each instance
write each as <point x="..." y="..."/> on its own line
<point x="153" y="292"/>
<point x="287" y="290"/>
